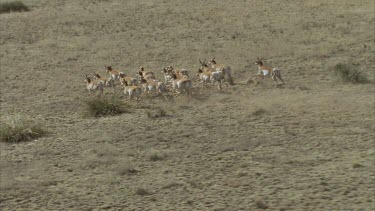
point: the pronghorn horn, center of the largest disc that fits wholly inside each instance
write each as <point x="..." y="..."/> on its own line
<point x="200" y="61"/>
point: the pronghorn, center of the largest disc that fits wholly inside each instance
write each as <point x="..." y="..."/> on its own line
<point x="224" y="68"/>
<point x="108" y="82"/>
<point x="204" y="77"/>
<point x="130" y="80"/>
<point x="180" y="73"/>
<point x="264" y="71"/>
<point x="181" y="85"/>
<point x="132" y="91"/>
<point x="143" y="72"/>
<point x="148" y="75"/>
<point x="115" y="74"/>
<point x="94" y="85"/>
<point x="150" y="86"/>
<point x="215" y="75"/>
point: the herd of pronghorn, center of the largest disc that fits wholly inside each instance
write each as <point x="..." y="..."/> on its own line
<point x="176" y="81"/>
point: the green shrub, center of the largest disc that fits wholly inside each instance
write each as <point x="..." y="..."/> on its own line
<point x="105" y="106"/>
<point x="14" y="6"/>
<point x="347" y="73"/>
<point x="15" y="130"/>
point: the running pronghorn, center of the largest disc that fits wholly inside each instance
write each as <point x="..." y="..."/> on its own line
<point x="94" y="85"/>
<point x="224" y="68"/>
<point x="153" y="86"/>
<point x="204" y="77"/>
<point x="114" y="74"/>
<point x="181" y="85"/>
<point x="180" y="74"/>
<point x="215" y="75"/>
<point x="264" y="71"/>
<point x="108" y="82"/>
<point x="131" y="80"/>
<point x="132" y="91"/>
<point x="146" y="74"/>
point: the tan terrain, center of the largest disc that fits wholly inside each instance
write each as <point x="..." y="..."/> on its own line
<point x="308" y="145"/>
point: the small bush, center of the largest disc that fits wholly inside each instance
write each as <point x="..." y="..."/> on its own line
<point x="104" y="106"/>
<point x="154" y="155"/>
<point x="347" y="74"/>
<point x="15" y="6"/>
<point x="15" y="130"/>
<point x="142" y="192"/>
<point x="156" y="113"/>
<point x="125" y="169"/>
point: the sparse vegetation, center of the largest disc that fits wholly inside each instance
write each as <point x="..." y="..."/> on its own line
<point x="14" y="6"/>
<point x="155" y="155"/>
<point x="125" y="169"/>
<point x="156" y="113"/>
<point x="105" y="106"/>
<point x="15" y="130"/>
<point x="261" y="205"/>
<point x="348" y="73"/>
<point x="141" y="191"/>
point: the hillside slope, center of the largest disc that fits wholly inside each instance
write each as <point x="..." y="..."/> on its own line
<point x="306" y="146"/>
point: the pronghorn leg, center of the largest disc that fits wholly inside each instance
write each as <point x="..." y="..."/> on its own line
<point x="165" y="97"/>
<point x="279" y="76"/>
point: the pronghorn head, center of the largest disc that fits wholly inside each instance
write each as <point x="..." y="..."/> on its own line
<point x="142" y="80"/>
<point x="259" y="61"/>
<point x="141" y="70"/>
<point x="174" y="76"/>
<point x="168" y="70"/>
<point x="96" y="75"/>
<point x="87" y="79"/>
<point x="125" y="82"/>
<point x="122" y="75"/>
<point x="199" y="72"/>
<point x="213" y="61"/>
<point x="108" y="69"/>
<point x="203" y="64"/>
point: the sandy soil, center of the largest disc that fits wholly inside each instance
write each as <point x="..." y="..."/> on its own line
<point x="306" y="146"/>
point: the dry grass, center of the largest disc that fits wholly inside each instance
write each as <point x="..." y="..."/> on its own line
<point x="14" y="130"/>
<point x="105" y="106"/>
<point x="156" y="112"/>
<point x="156" y="155"/>
<point x="348" y="73"/>
<point x="301" y="147"/>
<point x="14" y="6"/>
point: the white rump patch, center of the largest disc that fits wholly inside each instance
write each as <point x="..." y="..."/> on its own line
<point x="265" y="72"/>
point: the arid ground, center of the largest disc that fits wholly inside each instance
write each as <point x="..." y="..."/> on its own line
<point x="306" y="146"/>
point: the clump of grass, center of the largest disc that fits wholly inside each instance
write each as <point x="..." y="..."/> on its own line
<point x="259" y="111"/>
<point x="142" y="191"/>
<point x="260" y="204"/>
<point x="154" y="155"/>
<point x="15" y="130"/>
<point x="347" y="73"/>
<point x="14" y="6"/>
<point x="125" y="169"/>
<point x="156" y="113"/>
<point x="105" y="106"/>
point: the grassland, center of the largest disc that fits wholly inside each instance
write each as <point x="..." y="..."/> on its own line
<point x="307" y="146"/>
